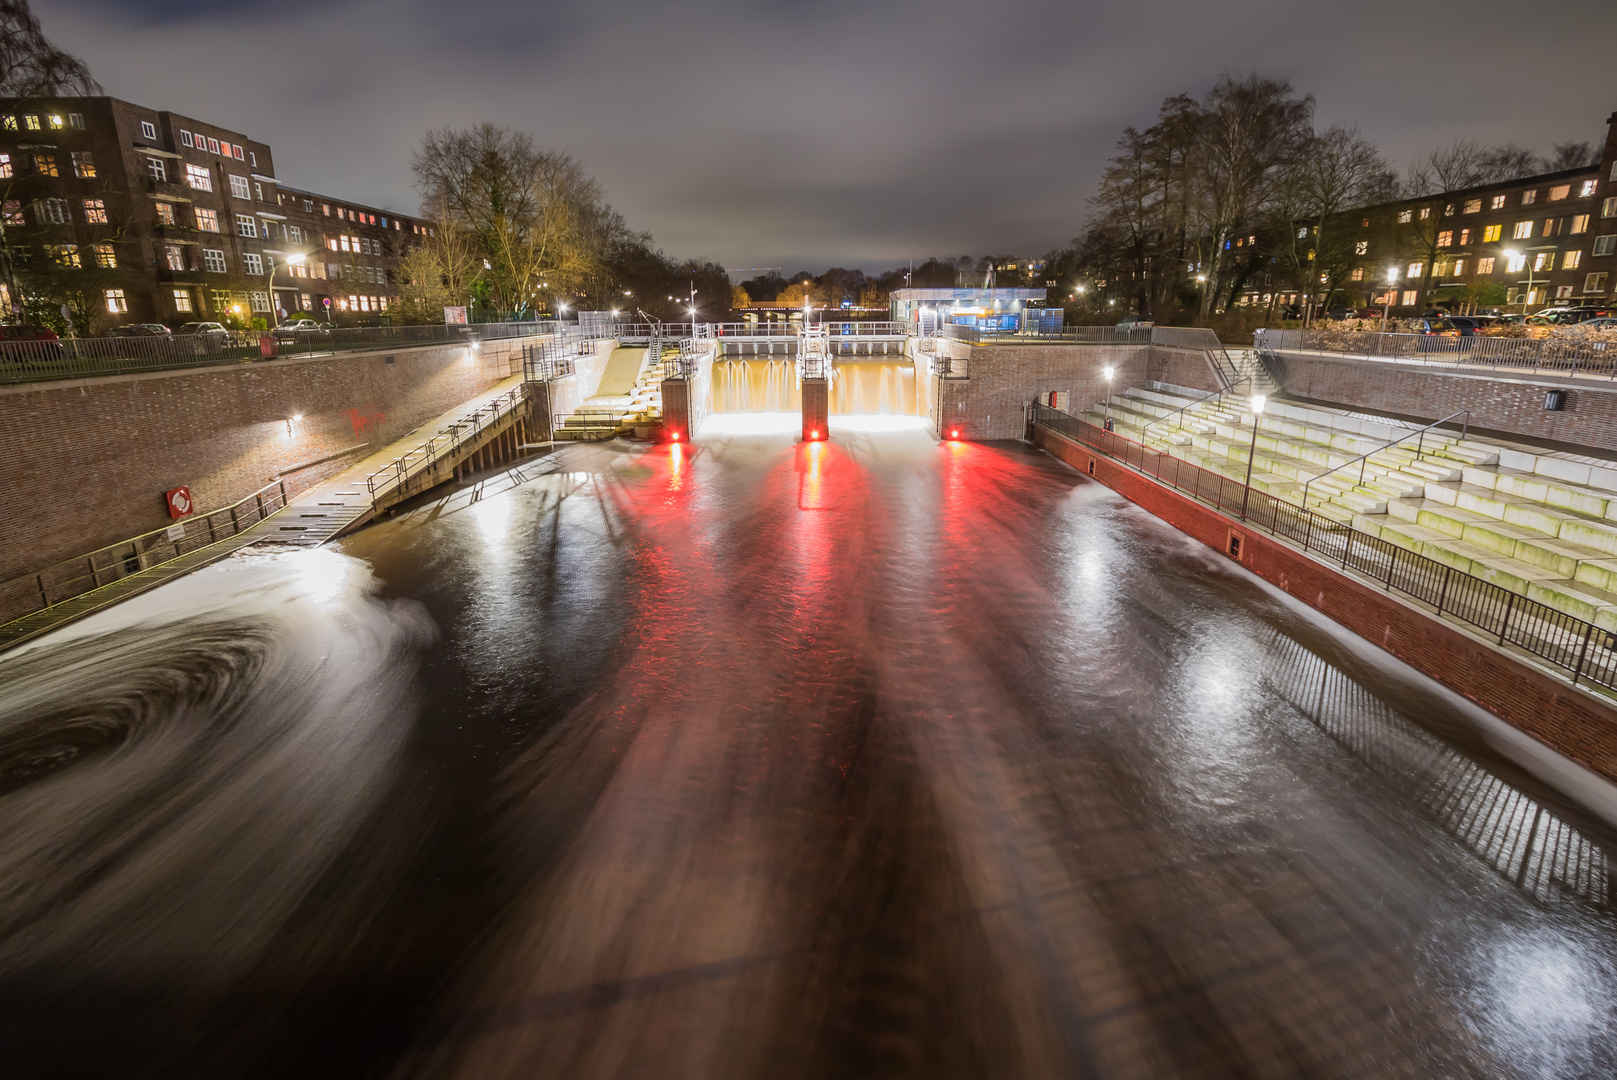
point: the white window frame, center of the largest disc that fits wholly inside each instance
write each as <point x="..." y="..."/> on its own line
<point x="174" y="256"/>
<point x="117" y="302"/>
<point x="148" y="130"/>
<point x="213" y="261"/>
<point x="1496" y="203"/>
<point x="239" y="188"/>
<point x="258" y="302"/>
<point x="1595" y="282"/>
<point x="198" y="211"/>
<point x="1522" y="230"/>
<point x="183" y="302"/>
<point x="1588" y="188"/>
<point x="247" y="225"/>
<point x="185" y="138"/>
<point x="1571" y="260"/>
<point x="75" y="120"/>
<point x="157" y="170"/>
<point x="1606" y="245"/>
<point x="198" y="177"/>
<point x="252" y="263"/>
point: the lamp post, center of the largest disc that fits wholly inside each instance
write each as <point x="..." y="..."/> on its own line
<point x="294" y="259"/>
<point x="1392" y="283"/>
<point x="1107" y="372"/>
<point x="1528" y="299"/>
<point x="1257" y="411"/>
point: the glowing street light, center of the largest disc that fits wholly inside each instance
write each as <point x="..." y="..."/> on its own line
<point x="1107" y="372"/>
<point x="1392" y="283"/>
<point x="1258" y="401"/>
<point x="1528" y="298"/>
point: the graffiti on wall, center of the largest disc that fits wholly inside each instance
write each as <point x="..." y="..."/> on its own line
<point x="366" y="421"/>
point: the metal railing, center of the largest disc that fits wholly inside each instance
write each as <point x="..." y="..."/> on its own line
<point x="1418" y="434"/>
<point x="77" y="358"/>
<point x="1077" y="335"/>
<point x="401" y="469"/>
<point x="553" y="358"/>
<point x="813" y="354"/>
<point x="1180" y="414"/>
<point x="1199" y="339"/>
<point x="68" y="578"/>
<point x="1565" y="642"/>
<point x="1565" y="356"/>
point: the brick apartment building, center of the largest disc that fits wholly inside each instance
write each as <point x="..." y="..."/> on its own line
<point x="1546" y="239"/>
<point x="171" y="219"/>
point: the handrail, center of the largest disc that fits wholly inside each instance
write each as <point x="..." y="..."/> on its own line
<point x="402" y="468"/>
<point x="1198" y="401"/>
<point x="1363" y="459"/>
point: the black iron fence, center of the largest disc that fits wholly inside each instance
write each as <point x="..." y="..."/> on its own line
<point x="1566" y="356"/>
<point x="1576" y="646"/>
<point x="492" y="413"/>
<point x="77" y="358"/>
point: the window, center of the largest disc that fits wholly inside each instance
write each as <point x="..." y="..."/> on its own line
<point x="1415" y="269"/>
<point x="259" y="301"/>
<point x="1425" y="212"/>
<point x="10" y="123"/>
<point x="84" y="165"/>
<point x="252" y="159"/>
<point x="1588" y="188"/>
<point x="45" y="164"/>
<point x="1405" y="217"/>
<point x="207" y="220"/>
<point x="1571" y="260"/>
<point x="1529" y="198"/>
<point x="95" y="211"/>
<point x="258" y="191"/>
<point x="246" y="225"/>
<point x="165" y="213"/>
<point x="65" y="255"/>
<point x="116" y="304"/>
<point x="221" y="301"/>
<point x="1563" y="292"/>
<point x="198" y="177"/>
<point x="1609" y="207"/>
<point x="1605" y="245"/>
<point x="1490" y="233"/>
<point x="75" y="120"/>
<point x="148" y="130"/>
<point x="239" y="188"/>
<point x="52" y="211"/>
<point x="1515" y="264"/>
<point x="158" y="171"/>
<point x="1559" y="192"/>
<point x="333" y="271"/>
<point x="295" y="234"/>
<point x="5" y="166"/>
<point x="252" y="263"/>
<point x="182" y="301"/>
<point x="1445" y="238"/>
<point x="1580" y="224"/>
<point x="13" y="212"/>
<point x="1410" y="297"/>
<point x="1472" y="206"/>
<point x="1357" y="275"/>
<point x="1523" y="231"/>
<point x="185" y="138"/>
<point x="213" y="259"/>
<point x="1485" y="265"/>
<point x="174" y="256"/>
<point x="1459" y="267"/>
<point x="1543" y="260"/>
<point x="325" y="208"/>
<point x="1465" y="237"/>
<point x="1496" y="203"/>
<point x="1594" y="283"/>
<point x="213" y="146"/>
<point x="1442" y="267"/>
<point x="308" y="206"/>
<point x="1362" y="247"/>
<point x="237" y="153"/>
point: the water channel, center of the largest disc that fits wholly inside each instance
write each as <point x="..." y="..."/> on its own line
<point x="752" y="759"/>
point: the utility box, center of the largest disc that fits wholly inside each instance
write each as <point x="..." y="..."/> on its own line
<point x="1043" y="320"/>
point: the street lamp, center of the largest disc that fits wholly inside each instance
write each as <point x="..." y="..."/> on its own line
<point x="1392" y="282"/>
<point x="1257" y="411"/>
<point x="1528" y="299"/>
<point x="295" y="259"/>
<point x="1107" y="372"/>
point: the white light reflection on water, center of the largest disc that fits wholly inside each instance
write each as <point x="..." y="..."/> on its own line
<point x="1548" y="1006"/>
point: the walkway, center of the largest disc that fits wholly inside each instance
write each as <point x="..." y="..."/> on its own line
<point x="314" y="517"/>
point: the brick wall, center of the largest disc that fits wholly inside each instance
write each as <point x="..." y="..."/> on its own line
<point x="87" y="462"/>
<point x="1181" y="367"/>
<point x="1498" y="402"/>
<point x="991" y="404"/>
<point x="1570" y="721"/>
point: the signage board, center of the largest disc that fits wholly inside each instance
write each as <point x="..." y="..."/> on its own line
<point x="454" y="316"/>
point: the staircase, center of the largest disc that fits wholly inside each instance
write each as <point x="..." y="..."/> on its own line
<point x="619" y="409"/>
<point x="1541" y="523"/>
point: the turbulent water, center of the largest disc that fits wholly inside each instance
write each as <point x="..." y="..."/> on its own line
<point x="752" y="759"/>
<point x="859" y="387"/>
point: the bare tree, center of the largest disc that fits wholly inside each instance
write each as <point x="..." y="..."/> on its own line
<point x="1336" y="170"/>
<point x="30" y="66"/>
<point x="1571" y="155"/>
<point x="1467" y="164"/>
<point x="439" y="267"/>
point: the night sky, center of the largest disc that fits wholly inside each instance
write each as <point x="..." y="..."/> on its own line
<point x="840" y="133"/>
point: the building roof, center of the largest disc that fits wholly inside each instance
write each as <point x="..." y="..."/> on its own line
<point x="943" y="295"/>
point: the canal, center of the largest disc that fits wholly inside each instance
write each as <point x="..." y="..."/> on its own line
<point x="752" y="759"/>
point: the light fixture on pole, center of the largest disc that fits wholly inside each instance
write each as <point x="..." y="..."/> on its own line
<point x="1257" y="411"/>
<point x="294" y="259"/>
<point x="1527" y="299"/>
<point x="1107" y="372"/>
<point x="1392" y="283"/>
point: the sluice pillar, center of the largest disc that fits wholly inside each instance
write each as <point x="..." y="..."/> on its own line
<point x="814" y="372"/>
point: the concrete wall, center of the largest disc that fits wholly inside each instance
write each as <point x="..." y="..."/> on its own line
<point x="1571" y="721"/>
<point x="992" y="402"/>
<point x="87" y="461"/>
<point x="1511" y="404"/>
<point x="559" y="397"/>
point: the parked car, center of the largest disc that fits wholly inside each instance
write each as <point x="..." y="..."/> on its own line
<point x="24" y="341"/>
<point x="1135" y="322"/>
<point x="1567" y="316"/>
<point x="1602" y="323"/>
<point x="300" y="330"/>
<point x="1468" y="325"/>
<point x="139" y="329"/>
<point x="204" y="337"/>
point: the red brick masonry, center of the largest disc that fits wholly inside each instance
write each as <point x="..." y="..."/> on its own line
<point x="1571" y="722"/>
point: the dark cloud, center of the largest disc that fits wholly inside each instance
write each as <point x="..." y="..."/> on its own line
<point x="764" y="133"/>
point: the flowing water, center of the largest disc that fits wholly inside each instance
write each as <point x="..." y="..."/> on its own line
<point x="751" y="759"/>
<point x="859" y="387"/>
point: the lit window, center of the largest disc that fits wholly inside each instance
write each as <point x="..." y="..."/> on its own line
<point x="246" y="225"/>
<point x="1559" y="192"/>
<point x="1415" y="269"/>
<point x="221" y="301"/>
<point x="213" y="146"/>
<point x="1571" y="260"/>
<point x="198" y="177"/>
<point x="45" y="164"/>
<point x="106" y="256"/>
<point x="10" y="123"/>
<point x="252" y="263"/>
<point x="207" y="220"/>
<point x="56" y="122"/>
<point x="325" y="208"/>
<point x="13" y="212"/>
<point x="174" y="255"/>
<point x="1522" y="231"/>
<point x="1459" y="267"/>
<point x="75" y="120"/>
<point x="1515" y="264"/>
<point x="5" y="166"/>
<point x="1410" y="298"/>
<point x="259" y="301"/>
<point x="148" y="130"/>
<point x="52" y="211"/>
<point x="239" y="188"/>
<point x="1580" y="224"/>
<point x="213" y="259"/>
<point x="1465" y="237"/>
<point x="116" y="303"/>
<point x="158" y="172"/>
<point x="31" y="123"/>
<point x="84" y="165"/>
<point x="1473" y="206"/>
<point x="1425" y="212"/>
<point x="1491" y="233"/>
<point x="165" y="213"/>
<point x="1445" y="238"/>
<point x="1605" y="245"/>
<point x="182" y="301"/>
<point x="1594" y="283"/>
<point x="185" y="138"/>
<point x="1609" y="207"/>
<point x="1358" y="274"/>
<point x="1496" y="203"/>
<point x="1485" y="265"/>
<point x="1529" y="198"/>
<point x="1362" y="248"/>
<point x="1588" y="188"/>
<point x="65" y="255"/>
<point x="1543" y="260"/>
<point x="236" y="152"/>
<point x="1405" y="217"/>
<point x="95" y="211"/>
